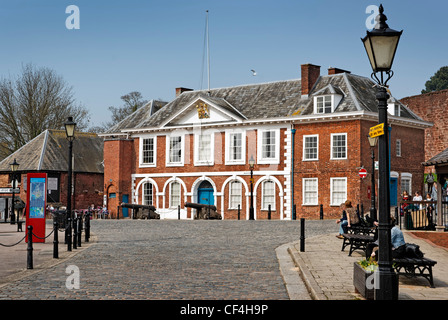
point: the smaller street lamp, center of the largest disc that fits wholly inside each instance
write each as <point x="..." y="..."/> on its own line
<point x="251" y="209"/>
<point x="373" y="141"/>
<point x="14" y="167"/>
<point x="70" y="135"/>
<point x="70" y="129"/>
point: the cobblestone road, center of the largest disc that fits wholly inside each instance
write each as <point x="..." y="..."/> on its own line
<point x="171" y="259"/>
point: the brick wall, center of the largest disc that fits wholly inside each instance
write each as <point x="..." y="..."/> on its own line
<point x="88" y="189"/>
<point x="359" y="155"/>
<point x="119" y="161"/>
<point x="432" y="107"/>
<point x="324" y="168"/>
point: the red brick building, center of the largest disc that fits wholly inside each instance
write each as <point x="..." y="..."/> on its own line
<point x="48" y="153"/>
<point x="308" y="138"/>
<point x="432" y="107"/>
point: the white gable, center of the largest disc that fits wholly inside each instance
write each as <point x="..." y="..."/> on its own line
<point x="201" y="111"/>
<point x="194" y="115"/>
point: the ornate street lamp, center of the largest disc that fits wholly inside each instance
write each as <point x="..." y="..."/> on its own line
<point x="373" y="141"/>
<point x="14" y="166"/>
<point x="70" y="135"/>
<point x="251" y="209"/>
<point x="381" y="44"/>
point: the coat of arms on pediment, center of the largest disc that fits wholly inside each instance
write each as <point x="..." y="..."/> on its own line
<point x="203" y="110"/>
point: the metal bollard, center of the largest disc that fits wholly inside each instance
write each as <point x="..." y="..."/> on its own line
<point x="118" y="213"/>
<point x="321" y="212"/>
<point x="87" y="227"/>
<point x="75" y="233"/>
<point x="302" y="234"/>
<point x="294" y="212"/>
<point x="55" y="240"/>
<point x="178" y="212"/>
<point x="29" y="256"/>
<point x="269" y="212"/>
<point x="68" y="228"/>
<point x="79" y="231"/>
<point x="239" y="211"/>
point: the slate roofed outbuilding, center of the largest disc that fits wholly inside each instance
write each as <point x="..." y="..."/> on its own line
<point x="280" y="99"/>
<point x="49" y="152"/>
<point x="439" y="159"/>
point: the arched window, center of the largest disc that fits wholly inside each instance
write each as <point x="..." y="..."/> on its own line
<point x="235" y="194"/>
<point x="174" y="194"/>
<point x="148" y="194"/>
<point x="268" y="196"/>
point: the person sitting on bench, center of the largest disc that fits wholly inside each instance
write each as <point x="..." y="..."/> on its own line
<point x="397" y="241"/>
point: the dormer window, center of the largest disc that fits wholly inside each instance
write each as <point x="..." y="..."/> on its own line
<point x="327" y="99"/>
<point x="323" y="104"/>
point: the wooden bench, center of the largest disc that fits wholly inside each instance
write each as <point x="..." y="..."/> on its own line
<point x="415" y="267"/>
<point x="356" y="241"/>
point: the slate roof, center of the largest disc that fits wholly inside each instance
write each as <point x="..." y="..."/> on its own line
<point x="271" y="100"/>
<point x="440" y="158"/>
<point x="49" y="152"/>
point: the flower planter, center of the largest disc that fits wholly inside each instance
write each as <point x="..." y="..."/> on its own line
<point x="363" y="284"/>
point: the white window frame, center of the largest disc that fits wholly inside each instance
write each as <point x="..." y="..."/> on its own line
<point x="264" y="203"/>
<point x="304" y="147"/>
<point x="332" y="200"/>
<point x="146" y="195"/>
<point x="332" y="157"/>
<point x="228" y="140"/>
<point x="172" y="203"/>
<point x="168" y="151"/>
<point x="141" y="143"/>
<point x="270" y="160"/>
<point x="323" y="98"/>
<point x="304" y="191"/>
<point x="232" y="204"/>
<point x="211" y="160"/>
<point x="398" y="147"/>
<point x="405" y="176"/>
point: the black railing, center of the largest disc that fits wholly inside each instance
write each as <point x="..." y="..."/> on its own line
<point x="421" y="215"/>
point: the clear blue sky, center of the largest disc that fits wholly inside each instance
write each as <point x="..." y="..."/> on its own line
<point x="155" y="46"/>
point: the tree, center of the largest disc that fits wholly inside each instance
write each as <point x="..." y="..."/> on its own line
<point x="132" y="101"/>
<point x="438" y="81"/>
<point x="36" y="100"/>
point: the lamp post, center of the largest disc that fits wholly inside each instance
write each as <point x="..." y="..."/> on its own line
<point x="381" y="44"/>
<point x="14" y="166"/>
<point x="373" y="141"/>
<point x="251" y="209"/>
<point x="70" y="135"/>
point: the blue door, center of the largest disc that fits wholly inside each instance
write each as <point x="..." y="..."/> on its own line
<point x="205" y="193"/>
<point x="125" y="211"/>
<point x="393" y="192"/>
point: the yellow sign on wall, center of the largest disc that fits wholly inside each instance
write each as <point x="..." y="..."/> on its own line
<point x="377" y="130"/>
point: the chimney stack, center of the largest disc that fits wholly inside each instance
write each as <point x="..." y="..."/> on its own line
<point x="181" y="90"/>
<point x="310" y="74"/>
<point x="333" y="70"/>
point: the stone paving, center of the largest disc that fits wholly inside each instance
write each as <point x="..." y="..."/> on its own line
<point x="328" y="271"/>
<point x="171" y="259"/>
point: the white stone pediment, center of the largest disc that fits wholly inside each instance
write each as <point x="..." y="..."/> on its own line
<point x="205" y="110"/>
